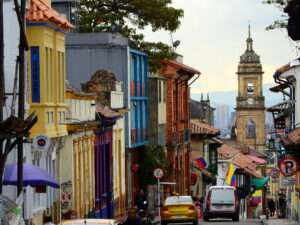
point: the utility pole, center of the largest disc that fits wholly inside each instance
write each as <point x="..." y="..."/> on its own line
<point x="21" y="105"/>
<point x="2" y="86"/>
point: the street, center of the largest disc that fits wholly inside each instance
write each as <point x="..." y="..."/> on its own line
<point x="229" y="221"/>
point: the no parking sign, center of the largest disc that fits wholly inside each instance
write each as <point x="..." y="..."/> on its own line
<point x="288" y="166"/>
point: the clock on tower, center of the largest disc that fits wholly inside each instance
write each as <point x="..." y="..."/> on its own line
<point x="250" y="102"/>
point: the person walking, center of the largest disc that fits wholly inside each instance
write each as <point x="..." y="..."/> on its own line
<point x="132" y="218"/>
<point x="140" y="198"/>
<point x="272" y="207"/>
<point x="47" y="220"/>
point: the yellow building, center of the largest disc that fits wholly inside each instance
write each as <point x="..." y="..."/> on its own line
<point x="77" y="169"/>
<point x="46" y="31"/>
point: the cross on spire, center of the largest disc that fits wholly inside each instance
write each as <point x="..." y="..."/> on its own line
<point x="249" y="29"/>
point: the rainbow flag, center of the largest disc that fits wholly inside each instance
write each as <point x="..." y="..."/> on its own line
<point x="201" y="162"/>
<point x="231" y="179"/>
<point x="256" y="197"/>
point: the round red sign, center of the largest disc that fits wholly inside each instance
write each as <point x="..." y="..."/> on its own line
<point x="275" y="173"/>
<point x="288" y="166"/>
<point x="158" y="173"/>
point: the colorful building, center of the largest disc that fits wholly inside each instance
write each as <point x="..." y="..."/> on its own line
<point x="77" y="167"/>
<point x="46" y="31"/>
<point x="177" y="126"/>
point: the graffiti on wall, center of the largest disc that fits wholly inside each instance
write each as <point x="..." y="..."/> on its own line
<point x="66" y="196"/>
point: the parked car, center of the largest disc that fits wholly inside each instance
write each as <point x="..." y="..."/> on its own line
<point x="221" y="202"/>
<point x="178" y="209"/>
<point x="89" y="222"/>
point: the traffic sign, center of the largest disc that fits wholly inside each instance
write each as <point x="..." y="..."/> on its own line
<point x="288" y="166"/>
<point x="158" y="173"/>
<point x="275" y="173"/>
<point x="41" y="142"/>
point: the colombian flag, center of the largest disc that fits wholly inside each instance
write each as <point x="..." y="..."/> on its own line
<point x="256" y="197"/>
<point x="201" y="162"/>
<point x="231" y="181"/>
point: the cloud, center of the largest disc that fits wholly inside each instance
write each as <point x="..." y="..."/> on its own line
<point x="213" y="36"/>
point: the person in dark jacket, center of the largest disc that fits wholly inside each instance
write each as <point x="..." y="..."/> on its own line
<point x="132" y="218"/>
<point x="140" y="198"/>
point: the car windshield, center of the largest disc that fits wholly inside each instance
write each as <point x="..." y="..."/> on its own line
<point x="179" y="200"/>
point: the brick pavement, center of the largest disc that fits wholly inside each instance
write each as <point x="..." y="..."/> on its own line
<point x="280" y="222"/>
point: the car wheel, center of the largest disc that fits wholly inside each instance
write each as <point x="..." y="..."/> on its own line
<point x="206" y="218"/>
<point x="195" y="222"/>
<point x="236" y="218"/>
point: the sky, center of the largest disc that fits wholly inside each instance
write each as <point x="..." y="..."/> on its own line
<point x="213" y="36"/>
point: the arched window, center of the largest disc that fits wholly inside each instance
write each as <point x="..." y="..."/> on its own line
<point x="250" y="89"/>
<point x="251" y="129"/>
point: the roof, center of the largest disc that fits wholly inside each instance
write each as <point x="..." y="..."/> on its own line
<point x="106" y="112"/>
<point x="39" y="10"/>
<point x="202" y="128"/>
<point x="77" y="92"/>
<point x="173" y="67"/>
<point x="292" y="138"/>
<point x="287" y="67"/>
<point x="241" y="160"/>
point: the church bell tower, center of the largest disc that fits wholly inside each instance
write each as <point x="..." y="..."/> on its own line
<point x="250" y="102"/>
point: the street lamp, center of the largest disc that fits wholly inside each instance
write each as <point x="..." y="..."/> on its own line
<point x="271" y="143"/>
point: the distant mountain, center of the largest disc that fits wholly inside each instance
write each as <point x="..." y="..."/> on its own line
<point x="229" y="97"/>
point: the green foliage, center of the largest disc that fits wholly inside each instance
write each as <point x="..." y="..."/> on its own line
<point x="125" y="17"/>
<point x="282" y="23"/>
<point x="153" y="157"/>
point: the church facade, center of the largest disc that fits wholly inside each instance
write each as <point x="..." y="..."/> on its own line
<point x="250" y="102"/>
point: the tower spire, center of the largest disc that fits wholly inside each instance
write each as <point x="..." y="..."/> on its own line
<point x="249" y="29"/>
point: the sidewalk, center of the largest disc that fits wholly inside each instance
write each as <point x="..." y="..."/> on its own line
<point x="280" y="222"/>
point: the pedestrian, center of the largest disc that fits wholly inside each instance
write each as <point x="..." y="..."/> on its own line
<point x="272" y="207"/>
<point x="132" y="218"/>
<point x="47" y="220"/>
<point x="140" y="200"/>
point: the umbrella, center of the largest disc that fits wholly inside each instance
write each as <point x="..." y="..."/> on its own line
<point x="32" y="175"/>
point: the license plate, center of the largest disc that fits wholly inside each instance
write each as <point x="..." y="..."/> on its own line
<point x="178" y="217"/>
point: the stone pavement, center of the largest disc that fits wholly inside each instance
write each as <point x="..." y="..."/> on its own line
<point x="280" y="222"/>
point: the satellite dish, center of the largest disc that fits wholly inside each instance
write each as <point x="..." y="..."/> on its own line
<point x="116" y="28"/>
<point x="176" y="43"/>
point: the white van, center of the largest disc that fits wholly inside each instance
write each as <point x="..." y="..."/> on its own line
<point x="221" y="202"/>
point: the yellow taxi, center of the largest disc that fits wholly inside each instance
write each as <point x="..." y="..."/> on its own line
<point x="89" y="222"/>
<point x="178" y="209"/>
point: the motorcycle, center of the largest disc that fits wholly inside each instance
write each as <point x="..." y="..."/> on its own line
<point x="145" y="217"/>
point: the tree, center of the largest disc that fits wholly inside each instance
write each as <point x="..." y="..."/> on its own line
<point x="281" y="23"/>
<point x="126" y="17"/>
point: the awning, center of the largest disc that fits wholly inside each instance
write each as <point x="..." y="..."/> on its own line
<point x="32" y="176"/>
<point x="259" y="183"/>
<point x="256" y="159"/>
<point x="204" y="171"/>
<point x="291" y="139"/>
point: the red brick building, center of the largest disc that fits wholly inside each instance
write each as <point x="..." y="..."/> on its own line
<point x="178" y="132"/>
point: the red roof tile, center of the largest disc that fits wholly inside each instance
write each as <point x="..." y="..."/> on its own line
<point x="177" y="67"/>
<point x="239" y="159"/>
<point x="107" y="112"/>
<point x="292" y="138"/>
<point x="39" y="10"/>
<point x="202" y="128"/>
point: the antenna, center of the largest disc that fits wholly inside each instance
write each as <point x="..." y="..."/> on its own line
<point x="176" y="43"/>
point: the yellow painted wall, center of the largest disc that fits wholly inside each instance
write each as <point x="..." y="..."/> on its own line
<point x="52" y="103"/>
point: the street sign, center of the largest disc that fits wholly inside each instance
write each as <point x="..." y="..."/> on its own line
<point x="287" y="182"/>
<point x="41" y="142"/>
<point x="275" y="173"/>
<point x="288" y="166"/>
<point x="158" y="173"/>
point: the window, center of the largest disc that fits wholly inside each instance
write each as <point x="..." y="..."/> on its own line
<point x="48" y="117"/>
<point x="35" y="74"/>
<point x="52" y="117"/>
<point x="251" y="129"/>
<point x="250" y="89"/>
